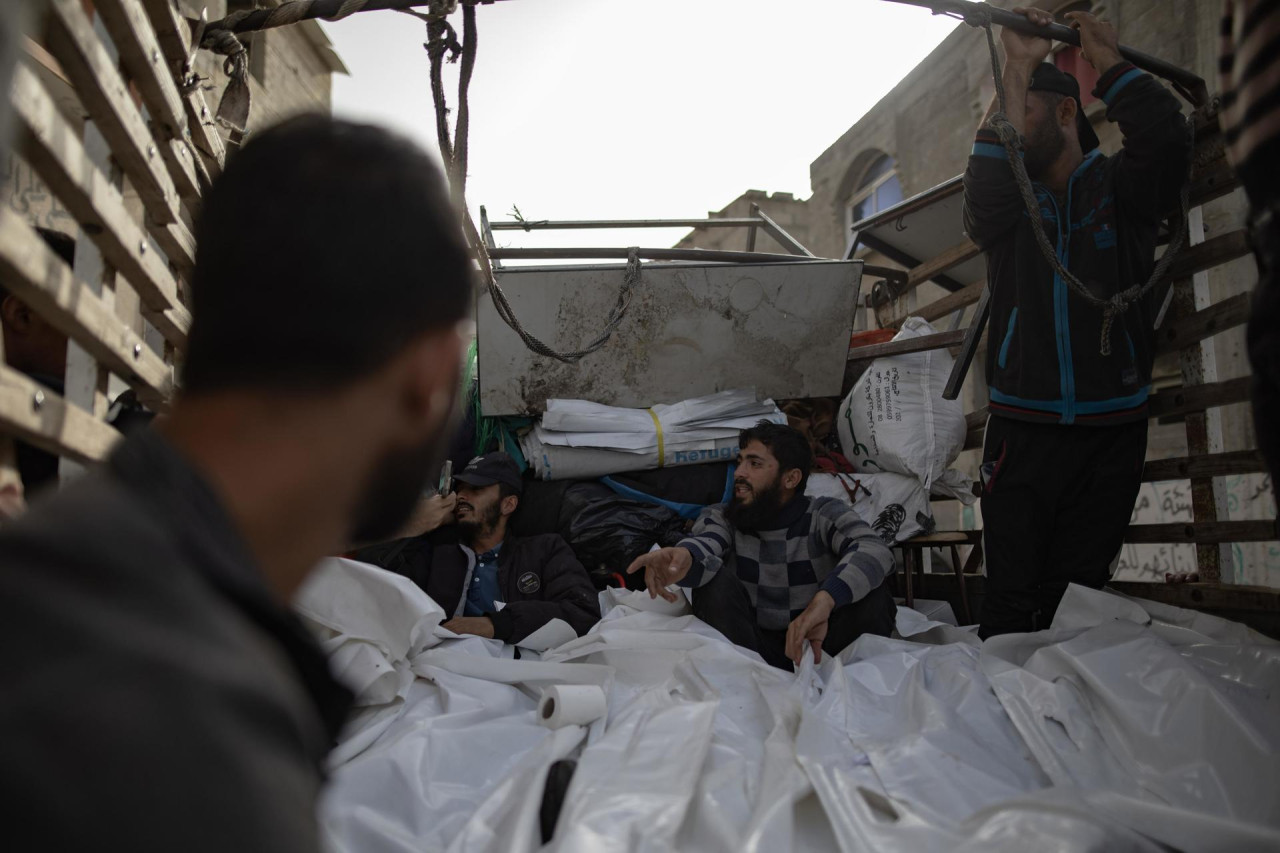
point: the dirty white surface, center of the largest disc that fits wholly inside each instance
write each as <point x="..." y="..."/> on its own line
<point x="1127" y="726"/>
<point x="688" y="331"/>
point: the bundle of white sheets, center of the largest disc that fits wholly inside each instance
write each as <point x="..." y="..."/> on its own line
<point x="1127" y="726"/>
<point x="580" y="439"/>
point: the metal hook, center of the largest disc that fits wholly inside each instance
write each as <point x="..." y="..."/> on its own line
<point x="197" y="37"/>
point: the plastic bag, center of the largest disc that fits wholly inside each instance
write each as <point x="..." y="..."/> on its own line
<point x="613" y="531"/>
<point x="895" y="505"/>
<point x="895" y="419"/>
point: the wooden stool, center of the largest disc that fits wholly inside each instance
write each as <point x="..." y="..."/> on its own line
<point x="913" y="561"/>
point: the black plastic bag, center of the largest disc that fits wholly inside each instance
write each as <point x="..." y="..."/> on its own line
<point x="608" y="533"/>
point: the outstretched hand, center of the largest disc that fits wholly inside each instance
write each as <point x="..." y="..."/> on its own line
<point x="809" y="629"/>
<point x="661" y="569"/>
<point x="1024" y="50"/>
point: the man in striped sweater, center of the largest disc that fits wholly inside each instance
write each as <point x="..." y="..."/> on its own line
<point x="773" y="570"/>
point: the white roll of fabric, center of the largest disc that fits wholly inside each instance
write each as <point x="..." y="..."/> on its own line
<point x="571" y="705"/>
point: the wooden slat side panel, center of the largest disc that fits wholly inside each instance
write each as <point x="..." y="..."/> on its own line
<point x="1199" y="325"/>
<point x="56" y="153"/>
<point x="1202" y="532"/>
<point x="33" y="273"/>
<point x="1211" y="465"/>
<point x="106" y="99"/>
<point x="174" y="37"/>
<point x="953" y="256"/>
<point x="1210" y="253"/>
<point x="1197" y="398"/>
<point x="951" y="303"/>
<point x="41" y="418"/>
<point x="140" y="55"/>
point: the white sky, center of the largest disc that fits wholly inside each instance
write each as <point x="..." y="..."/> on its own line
<point x="639" y="109"/>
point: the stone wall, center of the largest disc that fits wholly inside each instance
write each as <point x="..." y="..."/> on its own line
<point x="791" y="214"/>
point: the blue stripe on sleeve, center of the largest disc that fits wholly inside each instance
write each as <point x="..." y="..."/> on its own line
<point x="986" y="149"/>
<point x="1125" y="79"/>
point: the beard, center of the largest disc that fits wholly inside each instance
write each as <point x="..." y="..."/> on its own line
<point x="397" y="483"/>
<point x="763" y="507"/>
<point x="484" y="522"/>
<point x="1042" y="148"/>
<point x="393" y="490"/>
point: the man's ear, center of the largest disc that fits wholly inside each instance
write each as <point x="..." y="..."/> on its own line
<point x="509" y="504"/>
<point x="1067" y="112"/>
<point x="791" y="479"/>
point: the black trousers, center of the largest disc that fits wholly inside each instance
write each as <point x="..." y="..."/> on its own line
<point x="1055" y="504"/>
<point x="725" y="605"/>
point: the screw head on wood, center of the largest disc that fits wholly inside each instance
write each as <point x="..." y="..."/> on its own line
<point x="142" y="247"/>
<point x="155" y="55"/>
<point x="137" y="350"/>
<point x="151" y="151"/>
<point x="37" y="400"/>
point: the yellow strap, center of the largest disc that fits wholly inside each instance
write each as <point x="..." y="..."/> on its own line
<point x="662" y="450"/>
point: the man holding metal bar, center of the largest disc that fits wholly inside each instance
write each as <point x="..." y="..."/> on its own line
<point x="1066" y="440"/>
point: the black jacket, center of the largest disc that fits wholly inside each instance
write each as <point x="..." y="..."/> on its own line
<point x="150" y="676"/>
<point x="1044" y="361"/>
<point x="539" y="576"/>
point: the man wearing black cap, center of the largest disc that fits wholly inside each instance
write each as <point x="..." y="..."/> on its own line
<point x="493" y="585"/>
<point x="1067" y="436"/>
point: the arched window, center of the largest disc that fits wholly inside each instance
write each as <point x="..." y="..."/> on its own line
<point x="879" y="189"/>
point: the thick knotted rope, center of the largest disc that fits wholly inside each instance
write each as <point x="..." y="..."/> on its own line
<point x="1114" y="306"/>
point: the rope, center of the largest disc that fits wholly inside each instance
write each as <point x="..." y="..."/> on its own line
<point x="1117" y="303"/>
<point x="442" y="43"/>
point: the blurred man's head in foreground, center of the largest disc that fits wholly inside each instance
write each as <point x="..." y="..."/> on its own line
<point x="332" y="277"/>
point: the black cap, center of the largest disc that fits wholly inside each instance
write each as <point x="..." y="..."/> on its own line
<point x="492" y="468"/>
<point x="1049" y="78"/>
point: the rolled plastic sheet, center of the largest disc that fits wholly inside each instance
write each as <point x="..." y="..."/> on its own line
<point x="571" y="705"/>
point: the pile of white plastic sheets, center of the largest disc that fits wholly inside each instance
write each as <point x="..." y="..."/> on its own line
<point x="580" y="439"/>
<point x="1129" y="726"/>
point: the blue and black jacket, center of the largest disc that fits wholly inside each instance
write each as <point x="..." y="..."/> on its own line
<point x="1043" y="358"/>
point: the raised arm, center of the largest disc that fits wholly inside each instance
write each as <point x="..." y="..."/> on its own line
<point x="1152" y="166"/>
<point x="992" y="203"/>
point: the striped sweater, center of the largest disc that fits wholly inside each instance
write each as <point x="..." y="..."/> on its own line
<point x="813" y="544"/>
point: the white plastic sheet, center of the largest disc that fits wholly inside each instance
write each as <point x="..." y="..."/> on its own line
<point x="1125" y="727"/>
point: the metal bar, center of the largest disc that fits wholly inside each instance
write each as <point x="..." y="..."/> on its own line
<point x="898" y="256"/>
<point x="776" y="231"/>
<point x="648" y="255"/>
<point x="1193" y="85"/>
<point x="924" y="343"/>
<point x="486" y="234"/>
<point x="564" y="224"/>
<point x="970" y="347"/>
